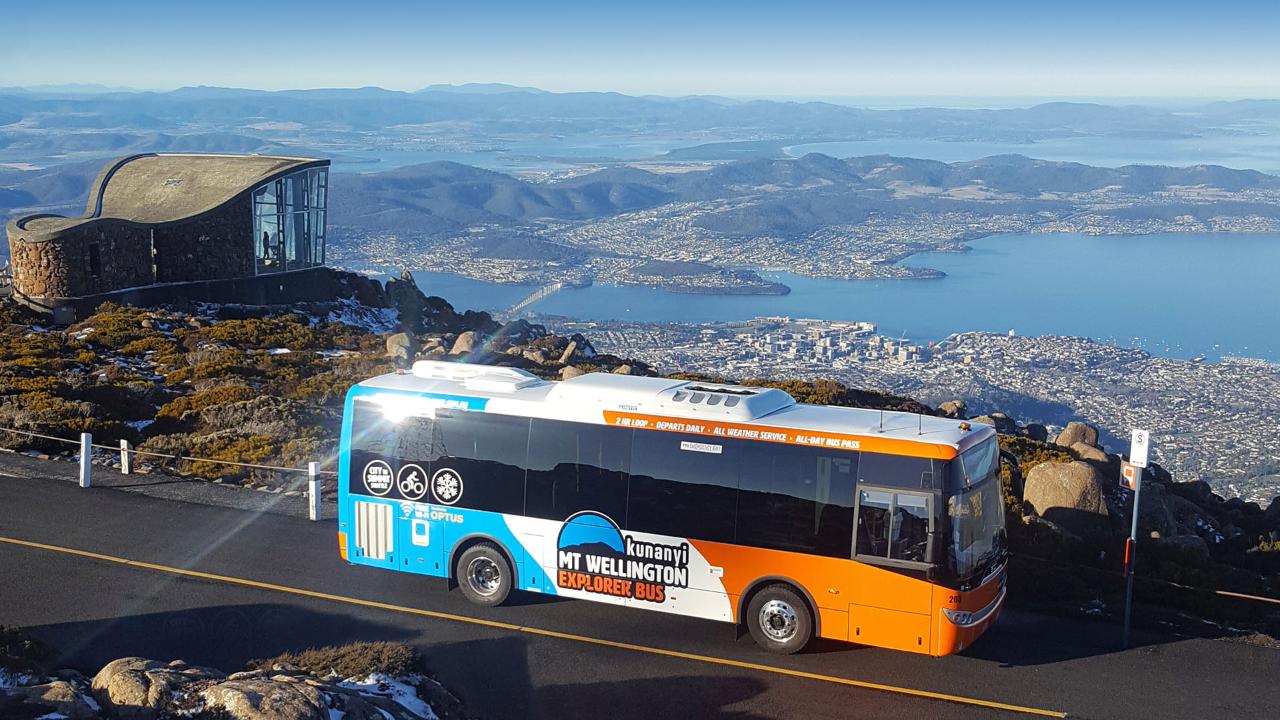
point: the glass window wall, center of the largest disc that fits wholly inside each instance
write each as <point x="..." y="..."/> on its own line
<point x="289" y="221"/>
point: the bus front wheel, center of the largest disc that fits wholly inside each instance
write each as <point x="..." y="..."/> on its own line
<point x="779" y="620"/>
<point x="484" y="575"/>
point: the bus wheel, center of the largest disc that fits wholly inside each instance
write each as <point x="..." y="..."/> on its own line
<point x="779" y="620"/>
<point x="484" y="574"/>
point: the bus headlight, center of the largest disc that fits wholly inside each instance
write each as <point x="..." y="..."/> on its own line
<point x="959" y="617"/>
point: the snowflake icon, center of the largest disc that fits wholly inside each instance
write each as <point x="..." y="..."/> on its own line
<point x="447" y="486"/>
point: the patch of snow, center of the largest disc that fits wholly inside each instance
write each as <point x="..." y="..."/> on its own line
<point x="279" y="351"/>
<point x="53" y="716"/>
<point x="139" y="424"/>
<point x="88" y="700"/>
<point x="12" y="680"/>
<point x="395" y="688"/>
<point x="336" y="714"/>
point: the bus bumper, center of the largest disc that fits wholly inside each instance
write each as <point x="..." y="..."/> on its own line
<point x="963" y="619"/>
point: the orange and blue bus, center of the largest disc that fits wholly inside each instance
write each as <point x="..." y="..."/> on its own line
<point x="716" y="501"/>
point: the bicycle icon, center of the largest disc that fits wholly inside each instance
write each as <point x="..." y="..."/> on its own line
<point x="412" y="482"/>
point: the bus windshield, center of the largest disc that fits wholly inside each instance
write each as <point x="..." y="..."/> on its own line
<point x="977" y="511"/>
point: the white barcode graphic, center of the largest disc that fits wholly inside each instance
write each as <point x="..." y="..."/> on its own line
<point x="375" y="531"/>
<point x="700" y="447"/>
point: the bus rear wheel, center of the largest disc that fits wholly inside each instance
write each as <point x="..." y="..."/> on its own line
<point x="484" y="575"/>
<point x="779" y="620"/>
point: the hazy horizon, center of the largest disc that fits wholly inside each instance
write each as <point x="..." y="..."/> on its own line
<point x="743" y="49"/>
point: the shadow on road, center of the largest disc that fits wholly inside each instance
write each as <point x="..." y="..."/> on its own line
<point x="506" y="678"/>
<point x="225" y="637"/>
<point x="1020" y="639"/>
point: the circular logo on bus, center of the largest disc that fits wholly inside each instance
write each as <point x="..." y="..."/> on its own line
<point x="447" y="486"/>
<point x="411" y="481"/>
<point x="377" y="477"/>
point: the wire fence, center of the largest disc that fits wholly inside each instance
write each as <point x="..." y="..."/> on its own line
<point x="187" y="458"/>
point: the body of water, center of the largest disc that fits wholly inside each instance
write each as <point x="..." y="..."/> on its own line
<point x="1258" y="151"/>
<point x="1179" y="295"/>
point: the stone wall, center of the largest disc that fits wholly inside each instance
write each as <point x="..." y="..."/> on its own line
<point x="61" y="267"/>
<point x="215" y="246"/>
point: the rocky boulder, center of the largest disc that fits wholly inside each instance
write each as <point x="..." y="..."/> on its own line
<point x="1077" y="432"/>
<point x="466" y="343"/>
<point x="569" y="372"/>
<point x="1069" y="495"/>
<point x="1001" y="422"/>
<point x="1037" y="432"/>
<point x="133" y="688"/>
<point x="401" y="349"/>
<point x="60" y="697"/>
<point x="1090" y="453"/>
<point x="279" y="698"/>
<point x="953" y="409"/>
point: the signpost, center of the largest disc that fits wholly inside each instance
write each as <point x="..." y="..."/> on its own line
<point x="1131" y="477"/>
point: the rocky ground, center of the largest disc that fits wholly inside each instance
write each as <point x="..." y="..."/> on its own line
<point x="362" y="681"/>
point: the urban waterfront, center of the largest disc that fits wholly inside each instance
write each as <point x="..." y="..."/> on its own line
<point x="1179" y="295"/>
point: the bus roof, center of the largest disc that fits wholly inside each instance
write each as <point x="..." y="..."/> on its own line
<point x="680" y="405"/>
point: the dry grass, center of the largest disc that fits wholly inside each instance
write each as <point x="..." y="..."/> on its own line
<point x="352" y="660"/>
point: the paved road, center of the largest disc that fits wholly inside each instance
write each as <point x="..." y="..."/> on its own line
<point x="96" y="610"/>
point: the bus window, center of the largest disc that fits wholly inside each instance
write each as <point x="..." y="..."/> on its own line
<point x="896" y="471"/>
<point x="797" y="498"/>
<point x="893" y="525"/>
<point x="374" y="437"/>
<point x="488" y="452"/>
<point x="683" y="485"/>
<point x="575" y="467"/>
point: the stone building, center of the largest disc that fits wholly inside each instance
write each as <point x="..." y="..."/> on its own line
<point x="200" y="227"/>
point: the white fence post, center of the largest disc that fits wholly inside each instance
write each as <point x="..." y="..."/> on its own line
<point x="124" y="457"/>
<point x="86" y="454"/>
<point x="313" y="489"/>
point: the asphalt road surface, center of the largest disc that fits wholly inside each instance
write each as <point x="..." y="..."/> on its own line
<point x="223" y="585"/>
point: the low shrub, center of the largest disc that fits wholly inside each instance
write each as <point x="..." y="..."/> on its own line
<point x="353" y="660"/>
<point x="22" y="654"/>
<point x="205" y="398"/>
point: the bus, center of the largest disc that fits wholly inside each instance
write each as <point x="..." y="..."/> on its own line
<point x="715" y="501"/>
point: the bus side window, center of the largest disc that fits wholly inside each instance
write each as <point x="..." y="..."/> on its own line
<point x="575" y="467"/>
<point x="489" y="453"/>
<point x="797" y="498"/>
<point x="683" y="485"/>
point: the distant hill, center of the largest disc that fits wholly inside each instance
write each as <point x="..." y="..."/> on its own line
<point x="791" y="196"/>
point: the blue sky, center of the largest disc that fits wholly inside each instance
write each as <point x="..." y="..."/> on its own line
<point x="1031" y="48"/>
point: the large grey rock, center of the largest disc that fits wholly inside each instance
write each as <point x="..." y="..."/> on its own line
<point x="278" y="698"/>
<point x="1191" y="519"/>
<point x="1077" y="432"/>
<point x="133" y="688"/>
<point x="1036" y="432"/>
<point x="1192" y="546"/>
<point x="1001" y="422"/>
<point x="1090" y="453"/>
<point x="953" y="409"/>
<point x="401" y="348"/>
<point x="569" y="350"/>
<point x="1069" y="495"/>
<point x="466" y="343"/>
<point x="568" y="372"/>
<point x="59" y="697"/>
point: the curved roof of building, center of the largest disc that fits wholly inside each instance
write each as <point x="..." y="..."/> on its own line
<point x="158" y="188"/>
